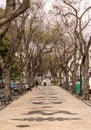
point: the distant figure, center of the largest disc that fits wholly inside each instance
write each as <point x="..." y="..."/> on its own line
<point x="44" y="82"/>
<point x="70" y="85"/>
<point x="36" y="83"/>
<point x="90" y="85"/>
<point x="78" y="88"/>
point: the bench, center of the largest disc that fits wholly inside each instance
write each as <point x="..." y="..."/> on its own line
<point x="5" y="101"/>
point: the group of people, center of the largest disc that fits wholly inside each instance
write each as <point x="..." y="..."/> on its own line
<point x="37" y="83"/>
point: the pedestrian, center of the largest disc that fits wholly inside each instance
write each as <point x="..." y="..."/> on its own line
<point x="44" y="82"/>
<point x="78" y="88"/>
<point x="70" y="86"/>
<point x="36" y="83"/>
<point x="90" y="85"/>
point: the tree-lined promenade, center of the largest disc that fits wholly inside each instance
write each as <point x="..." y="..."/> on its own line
<point x="36" y="44"/>
<point x="47" y="108"/>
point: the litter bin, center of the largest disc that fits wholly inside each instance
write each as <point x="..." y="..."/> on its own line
<point x="78" y="88"/>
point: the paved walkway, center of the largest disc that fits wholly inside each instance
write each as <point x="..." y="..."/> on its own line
<point x="50" y="108"/>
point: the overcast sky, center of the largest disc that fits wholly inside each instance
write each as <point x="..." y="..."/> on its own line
<point x="2" y="3"/>
<point x="48" y="4"/>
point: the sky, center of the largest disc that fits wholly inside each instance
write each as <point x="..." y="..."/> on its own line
<point x="48" y="3"/>
<point x="2" y="3"/>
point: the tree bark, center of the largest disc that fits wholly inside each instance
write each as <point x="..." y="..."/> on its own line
<point x="85" y="69"/>
<point x="7" y="83"/>
<point x="29" y="80"/>
<point x="20" y="81"/>
<point x="60" y="76"/>
<point x="10" y="14"/>
<point x="74" y="81"/>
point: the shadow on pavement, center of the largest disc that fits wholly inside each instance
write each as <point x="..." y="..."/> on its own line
<point x="39" y="119"/>
<point x="46" y="107"/>
<point x="39" y="97"/>
<point x="53" y="97"/>
<point x="56" y="102"/>
<point x="52" y="102"/>
<point x="22" y="126"/>
<point x="50" y="112"/>
<point x="87" y="103"/>
<point x="37" y="103"/>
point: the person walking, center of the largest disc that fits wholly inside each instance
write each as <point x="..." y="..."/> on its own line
<point x="36" y="83"/>
<point x="44" y="82"/>
<point x="78" y="88"/>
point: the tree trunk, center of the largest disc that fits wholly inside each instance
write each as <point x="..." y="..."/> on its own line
<point x="20" y="82"/>
<point x="7" y="92"/>
<point x="29" y="80"/>
<point x="74" y="82"/>
<point x="60" y="76"/>
<point x="85" y="69"/>
<point x="32" y="78"/>
<point x="74" y="72"/>
<point x="67" y="80"/>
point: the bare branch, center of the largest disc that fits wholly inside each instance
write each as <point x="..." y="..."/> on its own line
<point x="85" y="11"/>
<point x="23" y="7"/>
<point x="85" y="25"/>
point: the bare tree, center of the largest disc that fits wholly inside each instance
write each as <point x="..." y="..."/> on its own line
<point x="76" y="26"/>
<point x="11" y="12"/>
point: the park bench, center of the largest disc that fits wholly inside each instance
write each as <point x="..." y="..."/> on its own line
<point x="5" y="101"/>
